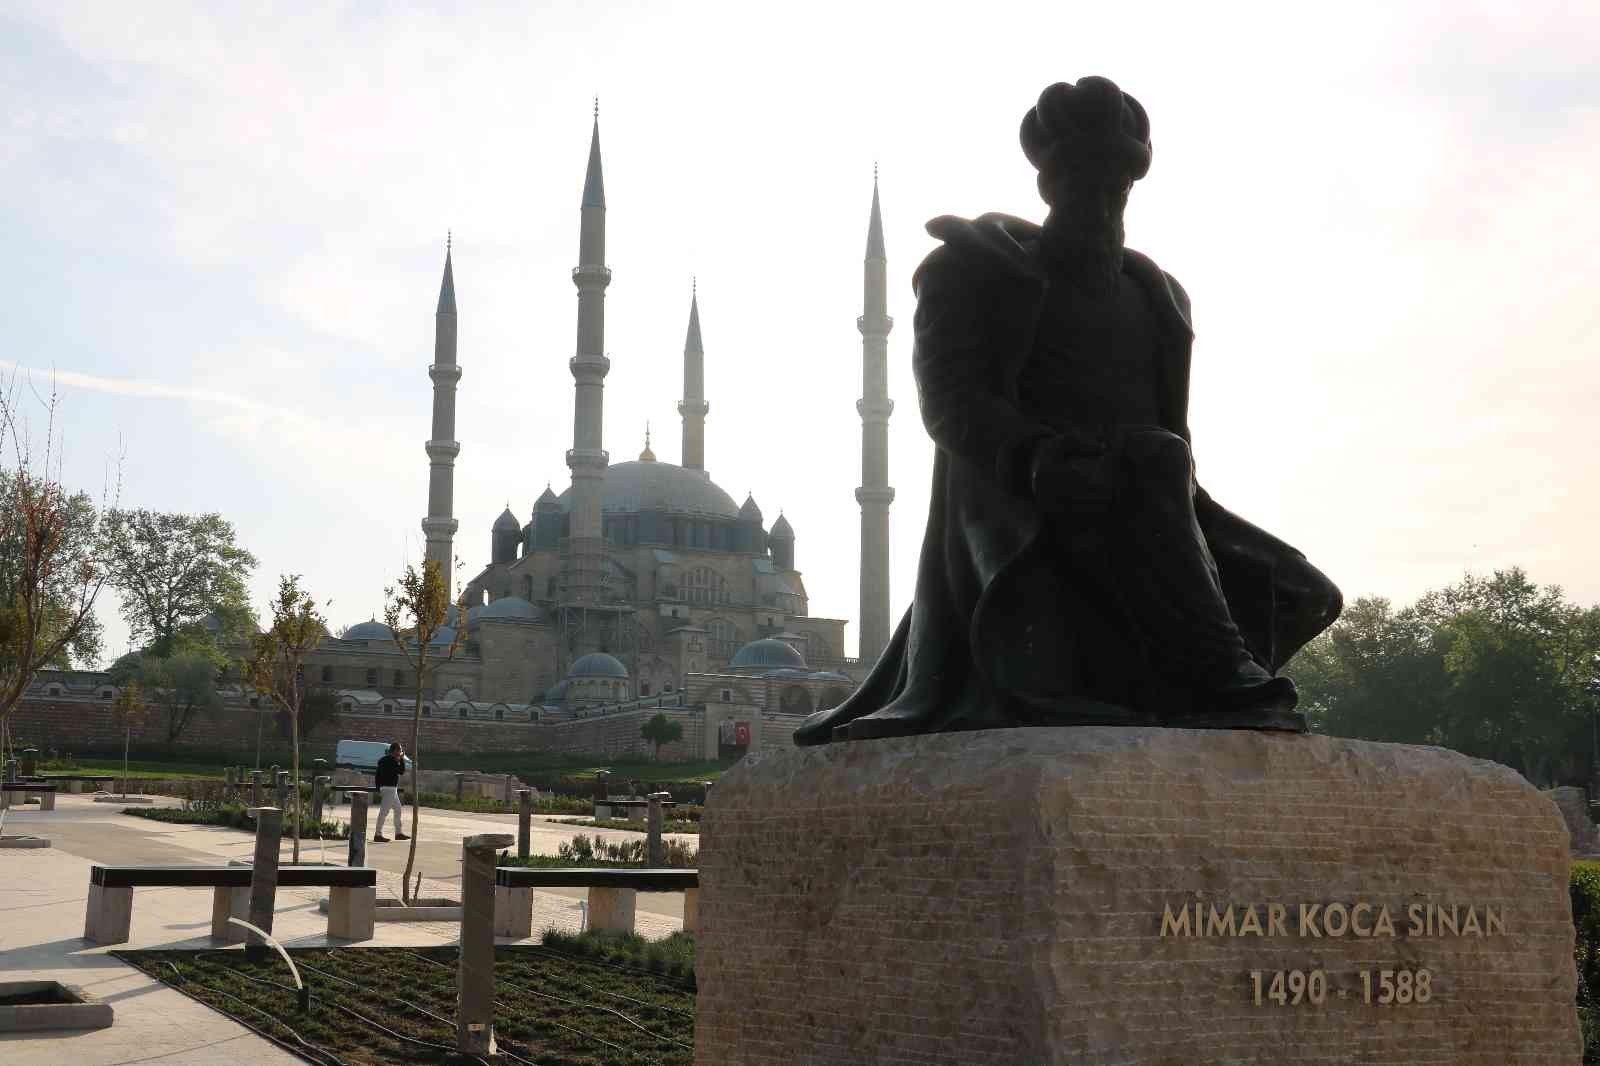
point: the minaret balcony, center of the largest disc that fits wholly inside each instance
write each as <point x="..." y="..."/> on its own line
<point x="589" y="369"/>
<point x="594" y="462"/>
<point x="442" y="450"/>
<point x="874" y="325"/>
<point x="591" y="276"/>
<point x="444" y="372"/>
<point x="875" y="410"/>
<point x="688" y="408"/>
<point x="881" y="494"/>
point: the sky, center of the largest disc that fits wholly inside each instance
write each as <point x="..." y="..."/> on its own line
<point x="224" y="226"/>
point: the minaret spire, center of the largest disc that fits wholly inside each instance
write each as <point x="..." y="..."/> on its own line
<point x="874" y="495"/>
<point x="439" y="527"/>
<point x="582" y="567"/>
<point x="693" y="406"/>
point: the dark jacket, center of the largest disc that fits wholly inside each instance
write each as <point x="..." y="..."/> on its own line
<point x="389" y="771"/>
<point x="989" y="584"/>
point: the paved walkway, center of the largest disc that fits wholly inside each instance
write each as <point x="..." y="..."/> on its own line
<point x="43" y="894"/>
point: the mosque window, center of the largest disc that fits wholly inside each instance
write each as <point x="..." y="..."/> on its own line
<point x="795" y="700"/>
<point x="372" y="677"/>
<point x="327" y="675"/>
<point x="704" y="585"/>
<point x="644" y="689"/>
<point x="727" y="695"/>
<point x="399" y="679"/>
<point x="723" y="638"/>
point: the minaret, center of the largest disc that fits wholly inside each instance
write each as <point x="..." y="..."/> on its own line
<point x="582" y="574"/>
<point x="438" y="529"/>
<point x="874" y="495"/>
<point x="693" y="406"/>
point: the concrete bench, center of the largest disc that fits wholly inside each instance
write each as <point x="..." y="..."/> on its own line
<point x="634" y="810"/>
<point x="27" y="790"/>
<point x="352" y="904"/>
<point x="75" y="782"/>
<point x="612" y="895"/>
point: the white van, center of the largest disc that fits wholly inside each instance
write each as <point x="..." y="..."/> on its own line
<point x="362" y="755"/>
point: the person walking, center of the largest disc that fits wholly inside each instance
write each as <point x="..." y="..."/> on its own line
<point x="390" y="767"/>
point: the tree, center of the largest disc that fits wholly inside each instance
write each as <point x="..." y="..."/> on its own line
<point x="181" y="683"/>
<point x="415" y="613"/>
<point x="320" y="707"/>
<point x="128" y="713"/>
<point x="276" y="665"/>
<point x="51" y="564"/>
<point x="661" y="730"/>
<point x="171" y="570"/>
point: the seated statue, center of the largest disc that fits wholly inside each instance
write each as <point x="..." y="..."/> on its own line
<point x="1073" y="572"/>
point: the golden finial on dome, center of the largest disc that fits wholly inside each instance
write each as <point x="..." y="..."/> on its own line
<point x="647" y="456"/>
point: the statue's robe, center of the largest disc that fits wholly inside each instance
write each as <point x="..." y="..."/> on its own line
<point x="1001" y="631"/>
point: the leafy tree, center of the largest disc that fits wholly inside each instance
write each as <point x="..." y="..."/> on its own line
<point x="276" y="665"/>
<point x="661" y="730"/>
<point x="415" y="611"/>
<point x="320" y="707"/>
<point x="180" y="684"/>
<point x="51" y="566"/>
<point x="171" y="570"/>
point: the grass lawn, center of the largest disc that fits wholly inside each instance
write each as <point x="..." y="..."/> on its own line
<point x="137" y="769"/>
<point x="568" y="1004"/>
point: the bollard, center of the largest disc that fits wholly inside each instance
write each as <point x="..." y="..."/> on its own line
<point x="602" y="790"/>
<point x="255" y="788"/>
<point x="318" y="785"/>
<point x="264" y="876"/>
<point x="282" y="789"/>
<point x="460" y="782"/>
<point x="30" y="762"/>
<point x="358" y="830"/>
<point x="524" y="822"/>
<point x="655" y="855"/>
<point x="475" y="978"/>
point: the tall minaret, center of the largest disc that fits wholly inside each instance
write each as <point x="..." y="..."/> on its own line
<point x="874" y="495"/>
<point x="582" y="573"/>
<point x="693" y="406"/>
<point x="438" y="529"/>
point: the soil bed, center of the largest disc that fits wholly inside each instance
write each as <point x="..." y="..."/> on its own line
<point x="380" y="1006"/>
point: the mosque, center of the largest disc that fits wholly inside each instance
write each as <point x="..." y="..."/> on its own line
<point x="643" y="579"/>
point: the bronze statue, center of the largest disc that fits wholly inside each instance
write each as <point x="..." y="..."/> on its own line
<point x="1073" y="572"/>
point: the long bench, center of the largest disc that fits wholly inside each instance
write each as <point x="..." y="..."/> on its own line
<point x="352" y="902"/>
<point x="74" y="782"/>
<point x="27" y="790"/>
<point x="612" y="894"/>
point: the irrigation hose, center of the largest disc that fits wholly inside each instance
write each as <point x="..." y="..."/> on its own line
<point x="290" y="1048"/>
<point x="579" y="1003"/>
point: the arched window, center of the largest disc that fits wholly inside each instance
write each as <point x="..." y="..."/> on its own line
<point x="644" y="689"/>
<point x="795" y="700"/>
<point x="372" y="677"/>
<point x="327" y="675"/>
<point x="703" y="585"/>
<point x="399" y="679"/>
<point x="723" y="638"/>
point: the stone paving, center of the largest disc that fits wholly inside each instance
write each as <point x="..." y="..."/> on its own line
<point x="43" y="894"/>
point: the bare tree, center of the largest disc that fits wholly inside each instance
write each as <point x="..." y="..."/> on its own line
<point x="416" y="612"/>
<point x="276" y="666"/>
<point x="51" y="559"/>
<point x="128" y="712"/>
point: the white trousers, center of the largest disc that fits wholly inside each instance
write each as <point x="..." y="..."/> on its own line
<point x="389" y="800"/>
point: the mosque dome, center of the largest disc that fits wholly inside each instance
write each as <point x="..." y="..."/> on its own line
<point x="372" y="630"/>
<point x="657" y="486"/>
<point x="598" y="664"/>
<point x="767" y="654"/>
<point x="508" y="521"/>
<point x="750" y="512"/>
<point x="781" y="529"/>
<point x="514" y="607"/>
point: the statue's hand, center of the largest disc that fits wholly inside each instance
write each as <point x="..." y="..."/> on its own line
<point x="1073" y="477"/>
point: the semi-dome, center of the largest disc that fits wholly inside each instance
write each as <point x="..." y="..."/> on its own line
<point x="598" y="664"/>
<point x="373" y="630"/>
<point x="767" y="653"/>
<point x="507" y="607"/>
<point x="656" y="486"/>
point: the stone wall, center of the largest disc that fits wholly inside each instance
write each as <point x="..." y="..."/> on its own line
<point x="79" y="724"/>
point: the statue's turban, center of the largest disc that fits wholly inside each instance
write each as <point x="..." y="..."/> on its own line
<point x="1091" y="124"/>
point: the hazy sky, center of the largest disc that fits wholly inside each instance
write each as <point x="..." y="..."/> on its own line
<point x="224" y="226"/>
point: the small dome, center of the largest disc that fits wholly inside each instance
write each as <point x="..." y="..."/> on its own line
<point x="507" y="522"/>
<point x="506" y="607"/>
<point x="769" y="654"/>
<point x="781" y="529"/>
<point x="598" y="664"/>
<point x="442" y="637"/>
<point x="547" y="500"/>
<point x="372" y="630"/>
<point x="750" y="512"/>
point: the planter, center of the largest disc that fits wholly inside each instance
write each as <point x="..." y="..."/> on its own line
<point x="422" y="910"/>
<point x="27" y="1006"/>
<point x="24" y="842"/>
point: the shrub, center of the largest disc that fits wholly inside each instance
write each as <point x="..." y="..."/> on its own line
<point x="671" y="956"/>
<point x="233" y="816"/>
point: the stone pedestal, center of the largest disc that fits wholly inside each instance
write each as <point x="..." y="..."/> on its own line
<point x="1140" y="897"/>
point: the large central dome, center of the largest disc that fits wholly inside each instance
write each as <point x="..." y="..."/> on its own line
<point x="653" y="486"/>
